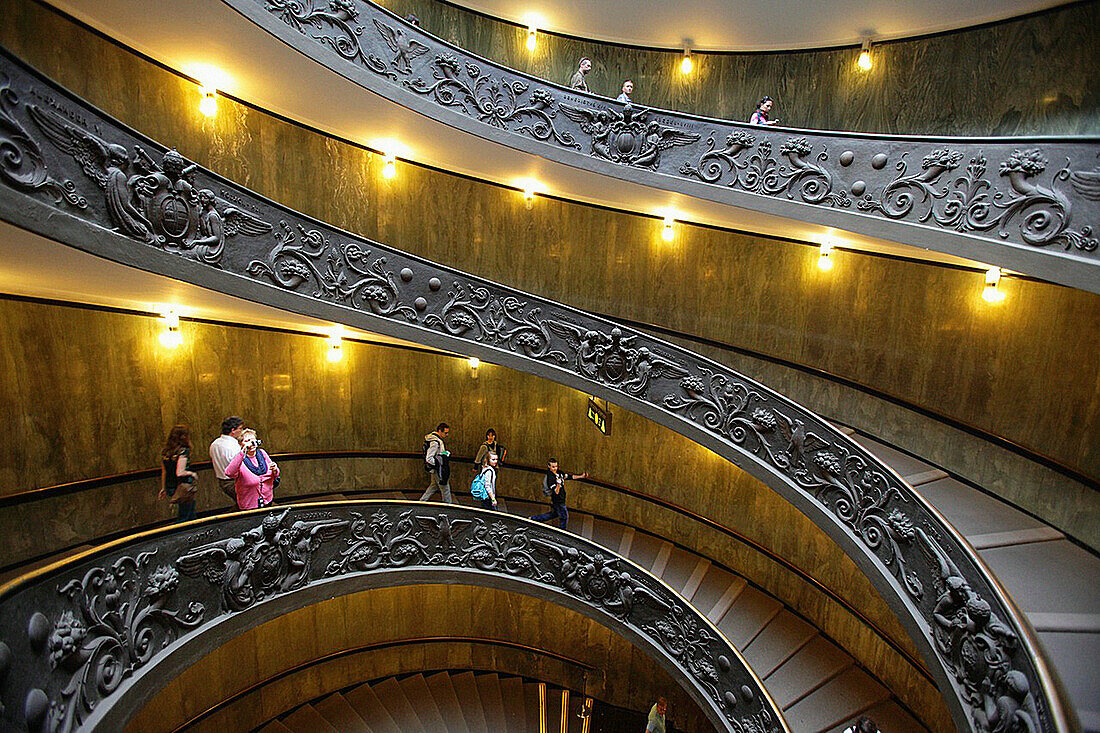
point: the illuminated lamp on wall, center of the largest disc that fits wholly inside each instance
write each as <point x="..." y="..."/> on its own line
<point x="668" y="231"/>
<point x="208" y="105"/>
<point x="865" y="62"/>
<point x="334" y="345"/>
<point x="170" y="337"/>
<point x="389" y="168"/>
<point x="532" y="39"/>
<point x="825" y="258"/>
<point x="686" y="63"/>
<point x="992" y="293"/>
<point x="474" y="363"/>
<point x="529" y="187"/>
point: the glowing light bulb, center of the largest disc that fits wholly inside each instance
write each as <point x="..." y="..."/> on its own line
<point x="865" y="62"/>
<point x="992" y="293"/>
<point x="170" y="337"/>
<point x="334" y="345"/>
<point x="686" y="64"/>
<point x="474" y="362"/>
<point x="208" y="105"/>
<point x="825" y="259"/>
<point x="531" y="38"/>
<point x="668" y="232"/>
<point x="389" y="168"/>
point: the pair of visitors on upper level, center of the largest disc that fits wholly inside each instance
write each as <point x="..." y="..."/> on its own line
<point x="578" y="82"/>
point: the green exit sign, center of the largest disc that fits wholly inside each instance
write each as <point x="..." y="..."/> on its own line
<point x="600" y="417"/>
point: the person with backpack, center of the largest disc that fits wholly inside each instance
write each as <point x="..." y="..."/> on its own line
<point x="553" y="485"/>
<point x="437" y="462"/>
<point x="484" y="486"/>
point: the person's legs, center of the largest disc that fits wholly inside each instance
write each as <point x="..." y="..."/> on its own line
<point x="186" y="511"/>
<point x="546" y="515"/>
<point x="445" y="490"/>
<point x="563" y="515"/>
<point x="433" y="487"/>
<point x="486" y="503"/>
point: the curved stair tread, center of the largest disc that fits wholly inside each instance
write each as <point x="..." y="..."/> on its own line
<point x="420" y="697"/>
<point x="511" y="693"/>
<point x="470" y="700"/>
<point x="750" y="613"/>
<point x="841" y="698"/>
<point x="392" y="696"/>
<point x="974" y="512"/>
<point x="1077" y="656"/>
<point x="678" y="567"/>
<point x="341" y="715"/>
<point x="1025" y="571"/>
<point x="306" y="719"/>
<point x="645" y="549"/>
<point x="366" y="703"/>
<point x="492" y="704"/>
<point x="805" y="671"/>
<point x="903" y="463"/>
<point x="777" y="642"/>
<point x="889" y="717"/>
<point x="713" y="587"/>
<point x="446" y="701"/>
<point x="275" y="726"/>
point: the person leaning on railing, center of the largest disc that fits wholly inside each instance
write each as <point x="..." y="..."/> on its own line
<point x="760" y="114"/>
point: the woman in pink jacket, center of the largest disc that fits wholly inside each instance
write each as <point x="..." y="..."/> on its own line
<point x="254" y="472"/>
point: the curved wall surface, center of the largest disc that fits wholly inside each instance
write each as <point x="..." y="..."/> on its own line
<point x="914" y="331"/>
<point x="1028" y="76"/>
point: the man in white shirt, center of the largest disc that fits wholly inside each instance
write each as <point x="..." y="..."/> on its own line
<point x="223" y="450"/>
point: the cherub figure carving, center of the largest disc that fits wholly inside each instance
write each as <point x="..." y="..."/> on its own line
<point x="215" y="226"/>
<point x="658" y="138"/>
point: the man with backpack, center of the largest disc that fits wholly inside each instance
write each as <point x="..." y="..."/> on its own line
<point x="484" y="486"/>
<point x="437" y="462"/>
<point x="553" y="485"/>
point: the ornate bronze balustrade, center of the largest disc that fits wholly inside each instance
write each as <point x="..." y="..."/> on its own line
<point x="84" y="643"/>
<point x="75" y="175"/>
<point x="1002" y="201"/>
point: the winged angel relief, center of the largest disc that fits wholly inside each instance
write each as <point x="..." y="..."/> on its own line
<point x="629" y="136"/>
<point x="154" y="202"/>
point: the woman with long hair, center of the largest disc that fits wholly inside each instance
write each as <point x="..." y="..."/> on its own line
<point x="177" y="480"/>
<point x="760" y="114"/>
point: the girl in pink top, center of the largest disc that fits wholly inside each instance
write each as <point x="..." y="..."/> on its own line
<point x="255" y="473"/>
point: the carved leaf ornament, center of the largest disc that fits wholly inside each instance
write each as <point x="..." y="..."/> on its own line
<point x="163" y="204"/>
<point x="113" y="617"/>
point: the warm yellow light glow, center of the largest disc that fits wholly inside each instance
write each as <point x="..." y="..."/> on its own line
<point x="170" y="337"/>
<point x="686" y="64"/>
<point x="334" y="345"/>
<point x="208" y="105"/>
<point x="389" y="168"/>
<point x="865" y="62"/>
<point x="529" y="187"/>
<point x="992" y="293"/>
<point x="474" y="362"/>
<point x="668" y="231"/>
<point x="825" y="259"/>
<point x="531" y="38"/>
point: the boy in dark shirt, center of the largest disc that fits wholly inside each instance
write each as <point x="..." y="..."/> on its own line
<point x="553" y="485"/>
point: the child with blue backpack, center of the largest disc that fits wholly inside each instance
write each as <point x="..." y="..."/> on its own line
<point x="484" y="486"/>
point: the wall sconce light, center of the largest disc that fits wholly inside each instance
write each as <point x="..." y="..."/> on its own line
<point x="668" y="231"/>
<point x="208" y="105"/>
<point x="825" y="258"/>
<point x="865" y="62"/>
<point x="389" y="168"/>
<point x="528" y="197"/>
<point x="686" y="63"/>
<point x="334" y="345"/>
<point x="991" y="293"/>
<point x="474" y="363"/>
<point x="170" y="337"/>
<point x="531" y="38"/>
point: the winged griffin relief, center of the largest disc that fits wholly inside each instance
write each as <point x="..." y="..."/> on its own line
<point x="156" y="203"/>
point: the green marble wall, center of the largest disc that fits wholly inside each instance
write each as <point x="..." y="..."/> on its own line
<point x="915" y="331"/>
<point x="623" y="675"/>
<point x="1033" y="76"/>
<point x="90" y="393"/>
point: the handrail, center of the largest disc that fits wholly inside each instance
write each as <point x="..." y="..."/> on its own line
<point x="75" y="175"/>
<point x="282" y="458"/>
<point x="89" y="638"/>
<point x="990" y="199"/>
<point x="283" y="674"/>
